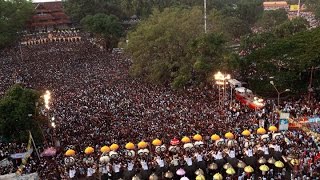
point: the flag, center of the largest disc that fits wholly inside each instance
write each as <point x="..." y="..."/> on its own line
<point x="26" y="155"/>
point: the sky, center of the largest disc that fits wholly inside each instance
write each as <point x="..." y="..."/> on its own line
<point x="44" y="0"/>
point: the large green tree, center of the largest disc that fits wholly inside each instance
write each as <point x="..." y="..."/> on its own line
<point x="287" y="59"/>
<point x="106" y="27"/>
<point x="17" y="111"/>
<point x="271" y="19"/>
<point x="13" y="16"/>
<point x="170" y="47"/>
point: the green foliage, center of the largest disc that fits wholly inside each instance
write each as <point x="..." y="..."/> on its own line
<point x="291" y="27"/>
<point x="15" y="109"/>
<point x="287" y="58"/>
<point x="176" y="51"/>
<point x="105" y="26"/>
<point x="271" y="19"/>
<point x="13" y="16"/>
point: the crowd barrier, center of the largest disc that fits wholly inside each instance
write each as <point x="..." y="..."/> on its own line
<point x="33" y="176"/>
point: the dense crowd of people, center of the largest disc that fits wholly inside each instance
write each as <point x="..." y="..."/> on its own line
<point x="95" y="102"/>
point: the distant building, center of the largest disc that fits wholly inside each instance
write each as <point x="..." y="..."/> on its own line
<point x="48" y="16"/>
<point x="273" y="5"/>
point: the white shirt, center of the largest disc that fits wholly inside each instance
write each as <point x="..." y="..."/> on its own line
<point x="232" y="154"/>
<point x="144" y="165"/>
<point x="116" y="168"/>
<point x="72" y="173"/>
<point x="218" y="156"/>
<point x="130" y="166"/>
<point x="265" y="150"/>
<point x="90" y="172"/>
<point x="160" y="162"/>
<point x="249" y="153"/>
<point x="188" y="161"/>
<point x="199" y="157"/>
<point x="175" y="161"/>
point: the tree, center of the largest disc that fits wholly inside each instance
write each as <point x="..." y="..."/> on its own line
<point x="287" y="58"/>
<point x="208" y="55"/>
<point x="291" y="27"/>
<point x="169" y="47"/>
<point x="250" y="10"/>
<point x="13" y="16"/>
<point x="79" y="9"/>
<point x="17" y="108"/>
<point x="104" y="26"/>
<point x="231" y="26"/>
<point x="271" y="19"/>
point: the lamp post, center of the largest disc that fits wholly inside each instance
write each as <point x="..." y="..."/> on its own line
<point x="279" y="93"/>
<point x="221" y="82"/>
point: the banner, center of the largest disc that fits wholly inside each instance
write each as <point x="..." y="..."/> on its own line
<point x="283" y="124"/>
<point x="313" y="119"/>
<point x="294" y="7"/>
<point x="21" y="155"/>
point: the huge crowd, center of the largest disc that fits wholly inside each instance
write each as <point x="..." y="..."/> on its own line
<point x="95" y="102"/>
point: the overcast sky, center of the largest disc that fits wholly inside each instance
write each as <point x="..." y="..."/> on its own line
<point x="44" y="0"/>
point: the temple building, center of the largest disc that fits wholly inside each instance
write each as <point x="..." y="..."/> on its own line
<point x="49" y="16"/>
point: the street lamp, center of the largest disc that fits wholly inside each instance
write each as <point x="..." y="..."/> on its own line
<point x="221" y="82"/>
<point x="279" y="93"/>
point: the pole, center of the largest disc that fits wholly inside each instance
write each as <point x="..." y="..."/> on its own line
<point x="278" y="99"/>
<point x="34" y="145"/>
<point x="230" y="95"/>
<point x="205" y="15"/>
<point x="298" y="14"/>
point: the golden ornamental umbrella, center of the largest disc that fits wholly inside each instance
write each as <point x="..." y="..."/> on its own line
<point x="246" y="133"/>
<point x="200" y="177"/>
<point x="215" y="137"/>
<point x="135" y="177"/>
<point x="279" y="164"/>
<point x="156" y="142"/>
<point x="130" y="146"/>
<point x="229" y="135"/>
<point x="197" y="137"/>
<point x="241" y="164"/>
<point x="295" y="162"/>
<point x="271" y="160"/>
<point x="153" y="176"/>
<point x="264" y="168"/>
<point x="248" y="169"/>
<point x="114" y="147"/>
<point x="213" y="166"/>
<point x="168" y="175"/>
<point x="185" y="139"/>
<point x="261" y="131"/>
<point x="227" y="166"/>
<point x="89" y="150"/>
<point x="230" y="171"/>
<point x="105" y="149"/>
<point x="262" y="160"/>
<point x="199" y="172"/>
<point x="70" y="152"/>
<point x="218" y="176"/>
<point x="273" y="128"/>
<point x="142" y="145"/>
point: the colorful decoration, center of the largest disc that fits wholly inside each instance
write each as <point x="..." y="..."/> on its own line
<point x="229" y="135"/>
<point x="246" y="133"/>
<point x="105" y="149"/>
<point x="156" y="142"/>
<point x="89" y="150"/>
<point x="70" y="152"/>
<point x="130" y="146"/>
<point x="215" y="137"/>
<point x="114" y="147"/>
<point x="261" y="131"/>
<point x="197" y="137"/>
